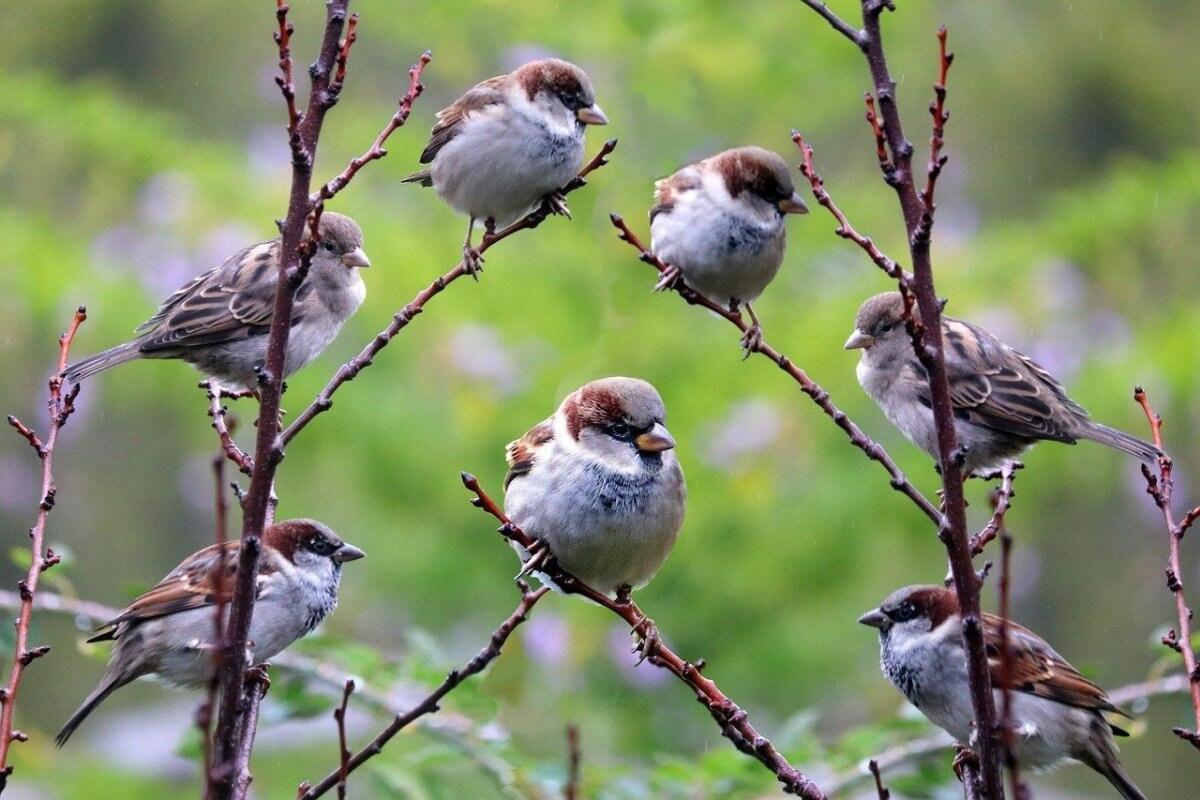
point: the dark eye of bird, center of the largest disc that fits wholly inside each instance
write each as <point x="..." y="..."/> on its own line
<point x="328" y="246"/>
<point x="320" y="545"/>
<point x="903" y="613"/>
<point x="619" y="430"/>
<point x="887" y="326"/>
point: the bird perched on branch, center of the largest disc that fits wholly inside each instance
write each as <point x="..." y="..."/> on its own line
<point x="219" y="321"/>
<point x="599" y="486"/>
<point x="510" y="143"/>
<point x="718" y="223"/>
<point x="1057" y="713"/>
<point x="1003" y="401"/>
<point x="169" y="631"/>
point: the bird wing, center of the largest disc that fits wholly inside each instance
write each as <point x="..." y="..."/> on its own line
<point x="1038" y="670"/>
<point x="520" y="454"/>
<point x="232" y="301"/>
<point x="667" y="190"/>
<point x="195" y="583"/>
<point x="450" y="119"/>
<point x="997" y="387"/>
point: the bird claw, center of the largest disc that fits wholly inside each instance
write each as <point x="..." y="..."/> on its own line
<point x="538" y="556"/>
<point x="751" y="340"/>
<point x="472" y="261"/>
<point x="964" y="757"/>
<point x="557" y="203"/>
<point x="667" y="279"/>
<point x="648" y="639"/>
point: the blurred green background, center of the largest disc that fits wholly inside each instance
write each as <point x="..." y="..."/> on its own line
<point x="141" y="142"/>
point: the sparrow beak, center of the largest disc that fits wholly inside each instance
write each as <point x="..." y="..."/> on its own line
<point x="347" y="552"/>
<point x="655" y="440"/>
<point x="591" y="115"/>
<point x="793" y="205"/>
<point x="859" y="341"/>
<point x="874" y="618"/>
<point x="356" y="258"/>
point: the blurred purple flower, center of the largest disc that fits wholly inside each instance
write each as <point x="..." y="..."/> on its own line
<point x="1070" y="285"/>
<point x="223" y="241"/>
<point x="166" y="198"/>
<point x="547" y="639"/>
<point x="749" y="427"/>
<point x="477" y="351"/>
<point x="644" y="675"/>
<point x="267" y="153"/>
<point x="19" y="481"/>
<point x="523" y="53"/>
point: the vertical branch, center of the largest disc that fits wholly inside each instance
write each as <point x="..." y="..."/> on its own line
<point x="256" y="686"/>
<point x="574" y="759"/>
<point x="1007" y="657"/>
<point x="60" y="406"/>
<point x="1161" y="487"/>
<point x="339" y="715"/>
<point x="234" y="734"/>
<point x="880" y="789"/>
<point x="204" y="713"/>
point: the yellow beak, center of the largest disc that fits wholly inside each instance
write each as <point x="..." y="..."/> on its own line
<point x="655" y="440"/>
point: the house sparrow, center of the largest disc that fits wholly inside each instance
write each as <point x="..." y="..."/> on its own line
<point x="1057" y="713"/>
<point x="719" y="224"/>
<point x="168" y="631"/>
<point x="219" y="321"/>
<point x="599" y="485"/>
<point x="1003" y="401"/>
<point x="509" y="143"/>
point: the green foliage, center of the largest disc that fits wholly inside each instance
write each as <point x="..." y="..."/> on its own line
<point x="140" y="141"/>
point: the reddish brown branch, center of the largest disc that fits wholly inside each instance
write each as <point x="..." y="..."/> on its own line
<point x="285" y="80"/>
<point x="430" y="704"/>
<point x="60" y="406"/>
<point x="937" y="110"/>
<point x="204" y="713"/>
<point x="1008" y="730"/>
<point x="574" y="760"/>
<point x="1161" y="486"/>
<point x="219" y="413"/>
<point x="811" y="388"/>
<point x="928" y="346"/>
<point x="376" y="150"/>
<point x="880" y="790"/>
<point x="343" y="56"/>
<point x="349" y="370"/>
<point x="1001" y="499"/>
<point x="256" y="686"/>
<point x="881" y="153"/>
<point x="838" y="24"/>
<point x="339" y="715"/>
<point x="732" y="720"/>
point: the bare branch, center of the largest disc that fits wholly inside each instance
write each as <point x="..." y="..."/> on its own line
<point x="41" y="558"/>
<point x="873" y="449"/>
<point x="220" y="423"/>
<point x="839" y="25"/>
<point x="883" y="793"/>
<point x="1001" y="499"/>
<point x="339" y="715"/>
<point x="348" y="371"/>
<point x="574" y="759"/>
<point x="1008" y="724"/>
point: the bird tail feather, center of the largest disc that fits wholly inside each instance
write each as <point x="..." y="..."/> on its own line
<point x="1138" y="448"/>
<point x="101" y="361"/>
<point x="107" y="686"/>
<point x="1122" y="782"/>
<point x="425" y="178"/>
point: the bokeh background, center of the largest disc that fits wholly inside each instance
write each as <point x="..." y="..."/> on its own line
<point x="141" y="142"/>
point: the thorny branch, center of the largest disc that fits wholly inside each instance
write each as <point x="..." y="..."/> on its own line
<point x="220" y="423"/>
<point x="1001" y="498"/>
<point x="732" y="720"/>
<point x="41" y="558"/>
<point x="873" y="449"/>
<point x="431" y="703"/>
<point x="1161" y="486"/>
<point x="917" y="208"/>
<point x="348" y="371"/>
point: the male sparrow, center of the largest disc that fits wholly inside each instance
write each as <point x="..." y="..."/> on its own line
<point x="1057" y="713"/>
<point x="509" y="143"/>
<point x="1003" y="401"/>
<point x="218" y="321"/>
<point x="719" y="224"/>
<point x="168" y="631"/>
<point x="598" y="483"/>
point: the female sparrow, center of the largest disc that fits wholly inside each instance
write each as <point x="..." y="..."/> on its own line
<point x="1057" y="713"/>
<point x="509" y="143"/>
<point x="168" y="631"/>
<point x="1003" y="401"/>
<point x="599" y="484"/>
<point x="218" y="321"/>
<point x="719" y="224"/>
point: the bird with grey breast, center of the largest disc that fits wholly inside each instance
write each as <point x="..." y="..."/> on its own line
<point x="219" y="321"/>
<point x="1003" y="401"/>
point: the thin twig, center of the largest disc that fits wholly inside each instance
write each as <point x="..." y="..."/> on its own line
<point x="839" y="25"/>
<point x="1008" y="730"/>
<point x="1161" y="486"/>
<point x="937" y="140"/>
<point x="880" y="790"/>
<point x="204" y="713"/>
<point x="256" y="686"/>
<point x="347" y="372"/>
<point x="873" y="449"/>
<point x="339" y="716"/>
<point x="732" y="720"/>
<point x="1001" y="500"/>
<point x="431" y="703"/>
<point x="574" y="760"/>
<point x="41" y="558"/>
<point x="220" y="423"/>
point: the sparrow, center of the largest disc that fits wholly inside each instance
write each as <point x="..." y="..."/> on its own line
<point x="168" y="631"/>
<point x="599" y="486"/>
<point x="1057" y="713"/>
<point x="718" y="223"/>
<point x="509" y="143"/>
<point x="1003" y="401"/>
<point x="219" y="321"/>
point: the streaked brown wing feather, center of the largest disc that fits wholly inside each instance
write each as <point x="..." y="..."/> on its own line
<point x="667" y="190"/>
<point x="450" y="119"/>
<point x="520" y="454"/>
<point x="1038" y="670"/>
<point x="230" y="302"/>
<point x="999" y="388"/>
